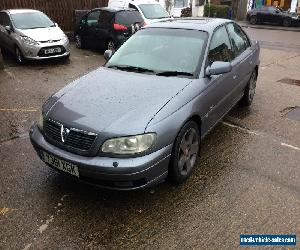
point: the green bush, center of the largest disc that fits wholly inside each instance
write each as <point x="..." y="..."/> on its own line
<point x="220" y="11"/>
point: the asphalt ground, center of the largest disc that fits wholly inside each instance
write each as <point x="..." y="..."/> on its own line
<point x="247" y="180"/>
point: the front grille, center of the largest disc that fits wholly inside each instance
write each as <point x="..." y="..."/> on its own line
<point x="76" y="139"/>
<point x="42" y="51"/>
<point x="50" y="41"/>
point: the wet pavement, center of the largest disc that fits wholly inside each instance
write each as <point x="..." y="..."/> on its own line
<point x="247" y="180"/>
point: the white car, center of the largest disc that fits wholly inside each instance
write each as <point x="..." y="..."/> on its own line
<point x="30" y="34"/>
<point x="151" y="11"/>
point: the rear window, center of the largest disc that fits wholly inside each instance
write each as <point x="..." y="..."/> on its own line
<point x="128" y="17"/>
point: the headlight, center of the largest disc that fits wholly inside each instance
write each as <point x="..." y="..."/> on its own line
<point x="40" y="122"/>
<point x="65" y="38"/>
<point x="28" y="40"/>
<point x="129" y="145"/>
<point x="294" y="17"/>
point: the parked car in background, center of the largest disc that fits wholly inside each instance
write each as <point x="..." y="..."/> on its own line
<point x="30" y="34"/>
<point x="107" y="28"/>
<point x="150" y="10"/>
<point x="141" y="117"/>
<point x="274" y="15"/>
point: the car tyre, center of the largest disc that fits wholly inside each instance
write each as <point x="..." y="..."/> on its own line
<point x="185" y="153"/>
<point x="253" y="19"/>
<point x="78" y="42"/>
<point x="19" y="56"/>
<point x="249" y="90"/>
<point x="287" y="22"/>
<point x="110" y="45"/>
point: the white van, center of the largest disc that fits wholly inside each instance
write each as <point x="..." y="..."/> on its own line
<point x="151" y="11"/>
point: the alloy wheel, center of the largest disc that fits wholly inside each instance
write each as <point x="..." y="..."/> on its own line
<point x="253" y="20"/>
<point x="111" y="46"/>
<point x="188" y="152"/>
<point x="252" y="87"/>
<point x="78" y="41"/>
<point x="19" y="56"/>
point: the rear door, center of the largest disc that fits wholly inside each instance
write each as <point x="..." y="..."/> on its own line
<point x="262" y="13"/>
<point x="243" y="62"/>
<point x="91" y="24"/>
<point x="104" y="28"/>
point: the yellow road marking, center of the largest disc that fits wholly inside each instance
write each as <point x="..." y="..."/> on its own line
<point x="5" y="210"/>
<point x="20" y="110"/>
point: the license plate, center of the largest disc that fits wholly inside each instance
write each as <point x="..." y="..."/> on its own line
<point x="51" y="51"/>
<point x="62" y="165"/>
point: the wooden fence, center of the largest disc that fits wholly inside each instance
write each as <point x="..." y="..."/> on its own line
<point x="60" y="11"/>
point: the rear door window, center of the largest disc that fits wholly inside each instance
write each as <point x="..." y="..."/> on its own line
<point x="220" y="48"/>
<point x="105" y="18"/>
<point x="93" y="17"/>
<point x="127" y="18"/>
<point x="238" y="38"/>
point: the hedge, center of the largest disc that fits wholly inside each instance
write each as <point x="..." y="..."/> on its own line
<point x="221" y="11"/>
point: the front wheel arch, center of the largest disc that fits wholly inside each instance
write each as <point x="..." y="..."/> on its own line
<point x="175" y="174"/>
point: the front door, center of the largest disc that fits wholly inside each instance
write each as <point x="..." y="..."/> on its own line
<point x="218" y="94"/>
<point x="91" y="29"/>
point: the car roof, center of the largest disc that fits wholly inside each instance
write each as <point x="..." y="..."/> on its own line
<point x="115" y="9"/>
<point x="202" y="24"/>
<point x="16" y="11"/>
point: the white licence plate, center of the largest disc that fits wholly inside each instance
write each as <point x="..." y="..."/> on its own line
<point x="51" y="51"/>
<point x="62" y="165"/>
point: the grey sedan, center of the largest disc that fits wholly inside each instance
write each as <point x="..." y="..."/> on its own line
<point x="141" y="117"/>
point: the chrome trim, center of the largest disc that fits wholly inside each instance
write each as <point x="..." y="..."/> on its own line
<point x="71" y="128"/>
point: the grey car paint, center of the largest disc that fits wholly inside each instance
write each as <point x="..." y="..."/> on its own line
<point x="115" y="103"/>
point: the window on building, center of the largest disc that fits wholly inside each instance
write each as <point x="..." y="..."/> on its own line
<point x="181" y="3"/>
<point x="199" y="2"/>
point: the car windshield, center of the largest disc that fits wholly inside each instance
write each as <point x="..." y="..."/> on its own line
<point x="153" y="11"/>
<point x="159" y="50"/>
<point x="31" y="20"/>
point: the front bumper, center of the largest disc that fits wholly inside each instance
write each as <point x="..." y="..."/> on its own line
<point x="35" y="52"/>
<point x="130" y="174"/>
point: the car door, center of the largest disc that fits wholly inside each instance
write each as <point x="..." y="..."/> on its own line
<point x="6" y="40"/>
<point x="217" y="95"/>
<point x="243" y="61"/>
<point x="261" y="14"/>
<point x="104" y="28"/>
<point x="273" y="15"/>
<point x="90" y="35"/>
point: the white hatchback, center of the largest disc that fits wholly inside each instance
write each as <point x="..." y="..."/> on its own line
<point x="151" y="11"/>
<point x="30" y="34"/>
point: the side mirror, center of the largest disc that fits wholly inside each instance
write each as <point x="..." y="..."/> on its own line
<point x="218" y="68"/>
<point x="8" y="29"/>
<point x="56" y="25"/>
<point x="108" y="54"/>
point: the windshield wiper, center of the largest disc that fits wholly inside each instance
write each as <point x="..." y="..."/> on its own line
<point x="174" y="73"/>
<point x="32" y="28"/>
<point x="131" y="68"/>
